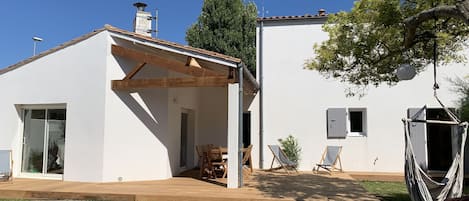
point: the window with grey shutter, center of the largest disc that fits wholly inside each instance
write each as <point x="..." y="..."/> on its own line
<point x="336" y="123"/>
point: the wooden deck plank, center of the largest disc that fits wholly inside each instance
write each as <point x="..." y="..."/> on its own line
<point x="262" y="186"/>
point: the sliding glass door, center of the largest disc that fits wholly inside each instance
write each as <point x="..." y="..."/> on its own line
<point x="43" y="141"/>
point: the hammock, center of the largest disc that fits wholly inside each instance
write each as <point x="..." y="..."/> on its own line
<point x="420" y="186"/>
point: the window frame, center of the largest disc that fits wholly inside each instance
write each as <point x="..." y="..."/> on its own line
<point x="364" y="132"/>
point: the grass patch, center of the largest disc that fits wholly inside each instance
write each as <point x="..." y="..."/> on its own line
<point x="395" y="191"/>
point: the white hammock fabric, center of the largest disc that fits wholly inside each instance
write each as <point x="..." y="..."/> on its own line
<point x="420" y="186"/>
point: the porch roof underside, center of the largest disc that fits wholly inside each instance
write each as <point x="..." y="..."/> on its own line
<point x="204" y="68"/>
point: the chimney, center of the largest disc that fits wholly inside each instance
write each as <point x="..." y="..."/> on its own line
<point x="142" y="22"/>
<point x="322" y="12"/>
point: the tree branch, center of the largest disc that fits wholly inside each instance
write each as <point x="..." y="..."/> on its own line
<point x="459" y="11"/>
<point x="463" y="6"/>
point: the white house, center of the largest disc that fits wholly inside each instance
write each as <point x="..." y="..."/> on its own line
<point x="300" y="102"/>
<point x="115" y="105"/>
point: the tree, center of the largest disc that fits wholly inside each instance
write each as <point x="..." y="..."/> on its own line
<point x="461" y="87"/>
<point x="370" y="42"/>
<point x="227" y="27"/>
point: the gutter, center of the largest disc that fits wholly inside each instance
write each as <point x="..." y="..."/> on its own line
<point x="261" y="98"/>
<point x="241" y="67"/>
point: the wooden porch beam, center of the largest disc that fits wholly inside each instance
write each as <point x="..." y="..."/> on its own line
<point x="160" y="61"/>
<point x="192" y="62"/>
<point x="134" y="71"/>
<point x="133" y="84"/>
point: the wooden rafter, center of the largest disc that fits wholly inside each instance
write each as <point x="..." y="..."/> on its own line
<point x="154" y="59"/>
<point x="192" y="62"/>
<point x="213" y="81"/>
<point x="134" y="71"/>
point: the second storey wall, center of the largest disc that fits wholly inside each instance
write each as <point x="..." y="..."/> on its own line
<point x="296" y="101"/>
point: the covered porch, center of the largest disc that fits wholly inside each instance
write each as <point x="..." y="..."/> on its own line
<point x="184" y="97"/>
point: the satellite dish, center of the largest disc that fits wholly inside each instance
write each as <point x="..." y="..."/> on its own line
<point x="405" y="72"/>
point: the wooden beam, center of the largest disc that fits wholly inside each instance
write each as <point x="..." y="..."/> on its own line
<point x="134" y="71"/>
<point x="192" y="62"/>
<point x="155" y="59"/>
<point x="215" y="81"/>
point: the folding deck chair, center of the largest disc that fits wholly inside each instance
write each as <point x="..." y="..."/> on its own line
<point x="329" y="159"/>
<point x="6" y="164"/>
<point x="247" y="168"/>
<point x="282" y="159"/>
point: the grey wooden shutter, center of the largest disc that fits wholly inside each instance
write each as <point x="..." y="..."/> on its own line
<point x="336" y="123"/>
<point x="418" y="137"/>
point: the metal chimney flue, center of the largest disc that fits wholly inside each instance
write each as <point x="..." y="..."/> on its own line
<point x="322" y="12"/>
<point x="140" y="6"/>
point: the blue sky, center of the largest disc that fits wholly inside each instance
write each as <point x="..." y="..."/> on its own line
<point x="58" y="21"/>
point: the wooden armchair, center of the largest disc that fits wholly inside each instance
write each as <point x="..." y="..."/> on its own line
<point x="216" y="162"/>
<point x="202" y="151"/>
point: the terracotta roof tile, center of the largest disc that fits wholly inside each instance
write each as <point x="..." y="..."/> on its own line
<point x="292" y="17"/>
<point x="173" y="45"/>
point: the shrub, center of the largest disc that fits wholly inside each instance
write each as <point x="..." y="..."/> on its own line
<point x="291" y="148"/>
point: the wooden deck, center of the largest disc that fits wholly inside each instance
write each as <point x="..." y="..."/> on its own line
<point x="261" y="186"/>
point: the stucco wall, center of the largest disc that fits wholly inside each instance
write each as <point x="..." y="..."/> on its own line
<point x="296" y="100"/>
<point x="143" y="128"/>
<point x="136" y="126"/>
<point x="71" y="76"/>
<point x="183" y="100"/>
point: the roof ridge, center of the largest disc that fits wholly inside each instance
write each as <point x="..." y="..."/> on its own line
<point x="173" y="44"/>
<point x="52" y="50"/>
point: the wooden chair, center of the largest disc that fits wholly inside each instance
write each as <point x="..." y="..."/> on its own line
<point x="216" y="162"/>
<point x="282" y="159"/>
<point x="247" y="158"/>
<point x="202" y="151"/>
<point x="6" y="163"/>
<point x="200" y="154"/>
<point x="329" y="160"/>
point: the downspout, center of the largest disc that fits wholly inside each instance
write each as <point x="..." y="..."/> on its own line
<point x="261" y="98"/>
<point x="240" y="124"/>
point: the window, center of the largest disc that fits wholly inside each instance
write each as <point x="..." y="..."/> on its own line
<point x="357" y="121"/>
<point x="343" y="122"/>
<point x="43" y="141"/>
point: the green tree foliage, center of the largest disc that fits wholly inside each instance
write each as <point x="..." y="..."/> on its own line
<point x="291" y="148"/>
<point x="461" y="86"/>
<point x="227" y="27"/>
<point x="367" y="44"/>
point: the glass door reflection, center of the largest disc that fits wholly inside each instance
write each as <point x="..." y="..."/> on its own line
<point x="44" y="141"/>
